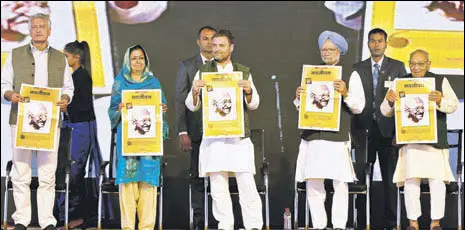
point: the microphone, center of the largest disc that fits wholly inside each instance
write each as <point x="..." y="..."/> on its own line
<point x="274" y="78"/>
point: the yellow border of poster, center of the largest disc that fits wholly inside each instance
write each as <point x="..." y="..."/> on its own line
<point x="152" y="146"/>
<point x="226" y="128"/>
<point x="415" y="134"/>
<point x="320" y="120"/>
<point x="38" y="141"/>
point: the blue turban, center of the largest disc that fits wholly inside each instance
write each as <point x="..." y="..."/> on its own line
<point x="336" y="38"/>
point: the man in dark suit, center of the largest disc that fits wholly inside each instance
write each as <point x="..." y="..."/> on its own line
<point x="377" y="73"/>
<point x="189" y="124"/>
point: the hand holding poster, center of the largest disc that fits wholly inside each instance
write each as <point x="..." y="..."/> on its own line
<point x="142" y="123"/>
<point x="320" y="104"/>
<point x="38" y="117"/>
<point x="223" y="111"/>
<point x="415" y="114"/>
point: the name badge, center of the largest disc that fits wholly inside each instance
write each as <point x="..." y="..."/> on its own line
<point x="387" y="84"/>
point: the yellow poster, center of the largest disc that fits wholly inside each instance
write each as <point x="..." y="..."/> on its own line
<point x="222" y="100"/>
<point x="38" y="116"/>
<point x="415" y="114"/>
<point x="142" y="118"/>
<point x="320" y="104"/>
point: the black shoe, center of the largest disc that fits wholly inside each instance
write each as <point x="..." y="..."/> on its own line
<point x="50" y="227"/>
<point x="20" y="227"/>
<point x="60" y="223"/>
<point x="198" y="227"/>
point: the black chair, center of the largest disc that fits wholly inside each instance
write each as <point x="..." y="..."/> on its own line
<point x="258" y="139"/>
<point x="61" y="186"/>
<point x="108" y="186"/>
<point x="356" y="188"/>
<point x="453" y="188"/>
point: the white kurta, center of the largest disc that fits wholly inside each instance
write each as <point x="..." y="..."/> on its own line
<point x="331" y="159"/>
<point x="225" y="154"/>
<point x="423" y="160"/>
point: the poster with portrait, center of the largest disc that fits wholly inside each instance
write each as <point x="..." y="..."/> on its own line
<point x="415" y="115"/>
<point x="37" y="121"/>
<point x="320" y="104"/>
<point x="142" y="123"/>
<point x="222" y="100"/>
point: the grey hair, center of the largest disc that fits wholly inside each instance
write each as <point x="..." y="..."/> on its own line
<point x="420" y="51"/>
<point x="42" y="16"/>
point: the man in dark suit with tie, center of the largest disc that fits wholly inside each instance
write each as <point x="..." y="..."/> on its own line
<point x="377" y="73"/>
<point x="189" y="124"/>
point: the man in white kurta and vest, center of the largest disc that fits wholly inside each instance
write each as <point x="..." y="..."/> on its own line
<point x="425" y="161"/>
<point x="221" y="157"/>
<point x="40" y="65"/>
<point x="326" y="154"/>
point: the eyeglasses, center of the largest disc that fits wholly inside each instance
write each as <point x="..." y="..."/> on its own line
<point x="329" y="50"/>
<point x="419" y="64"/>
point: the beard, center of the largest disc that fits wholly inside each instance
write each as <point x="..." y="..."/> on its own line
<point x="221" y="58"/>
<point x="330" y="60"/>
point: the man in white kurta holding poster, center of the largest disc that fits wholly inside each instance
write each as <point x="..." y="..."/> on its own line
<point x="425" y="161"/>
<point x="326" y="154"/>
<point x="221" y="157"/>
<point x="38" y="64"/>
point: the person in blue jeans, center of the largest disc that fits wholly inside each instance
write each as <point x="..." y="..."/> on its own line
<point x="80" y="116"/>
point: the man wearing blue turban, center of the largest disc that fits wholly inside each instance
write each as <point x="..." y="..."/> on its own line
<point x="326" y="154"/>
<point x="337" y="39"/>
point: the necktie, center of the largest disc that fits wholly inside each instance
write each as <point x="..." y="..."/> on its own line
<point x="375" y="77"/>
<point x="375" y="82"/>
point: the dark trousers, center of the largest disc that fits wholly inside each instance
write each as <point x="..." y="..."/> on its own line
<point x="387" y="155"/>
<point x="84" y="144"/>
<point x="197" y="185"/>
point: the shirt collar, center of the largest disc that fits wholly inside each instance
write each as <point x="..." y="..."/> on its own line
<point x="380" y="62"/>
<point x="228" y="67"/>
<point x="204" y="59"/>
<point x="34" y="49"/>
